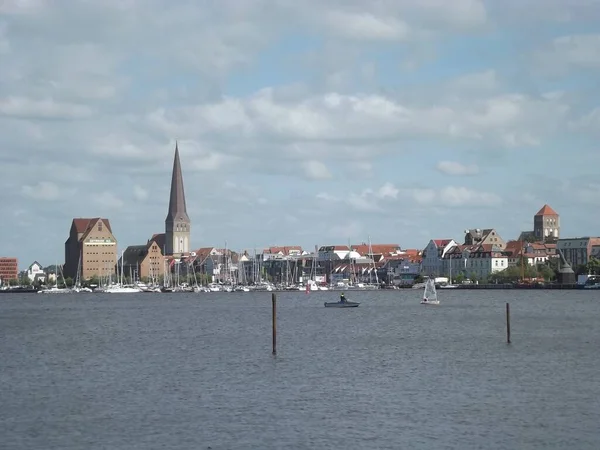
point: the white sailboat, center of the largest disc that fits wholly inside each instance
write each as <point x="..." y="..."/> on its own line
<point x="55" y="289"/>
<point x="430" y="294"/>
<point x="121" y="288"/>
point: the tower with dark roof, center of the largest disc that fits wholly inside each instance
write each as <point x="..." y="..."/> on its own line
<point x="177" y="223"/>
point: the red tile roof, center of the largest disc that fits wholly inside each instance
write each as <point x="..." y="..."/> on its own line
<point x="285" y="250"/>
<point x="442" y="242"/>
<point x="83" y="224"/>
<point x="546" y="211"/>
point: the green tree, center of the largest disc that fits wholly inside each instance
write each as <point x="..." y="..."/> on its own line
<point x="458" y="279"/>
<point x="546" y="272"/>
<point x="593" y="266"/>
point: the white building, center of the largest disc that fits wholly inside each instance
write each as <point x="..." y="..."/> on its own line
<point x="486" y="260"/>
<point x="36" y="272"/>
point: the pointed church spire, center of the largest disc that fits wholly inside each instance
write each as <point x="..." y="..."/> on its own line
<point x="177" y="207"/>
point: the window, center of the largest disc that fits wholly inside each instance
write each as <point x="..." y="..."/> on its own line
<point x="99" y="226"/>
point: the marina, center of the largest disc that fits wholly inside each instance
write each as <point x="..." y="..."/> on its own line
<point x="136" y="371"/>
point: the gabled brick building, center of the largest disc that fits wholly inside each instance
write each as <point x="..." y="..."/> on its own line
<point x="90" y="249"/>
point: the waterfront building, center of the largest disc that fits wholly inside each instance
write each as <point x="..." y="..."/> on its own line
<point x="144" y="262"/>
<point x="177" y="223"/>
<point x="433" y="256"/>
<point x="578" y="251"/>
<point x="35" y="272"/>
<point x="487" y="236"/>
<point x="9" y="269"/>
<point x="90" y="250"/>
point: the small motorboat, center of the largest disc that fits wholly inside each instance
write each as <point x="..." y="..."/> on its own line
<point x="345" y="304"/>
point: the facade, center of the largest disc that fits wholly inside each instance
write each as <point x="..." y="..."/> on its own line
<point x="9" y="269"/>
<point x="36" y="272"/>
<point x="578" y="251"/>
<point x="144" y="262"/>
<point x="546" y="224"/>
<point x="486" y="260"/>
<point x="177" y="223"/>
<point x="533" y="253"/>
<point x="433" y="256"/>
<point x="91" y="249"/>
<point x="402" y="270"/>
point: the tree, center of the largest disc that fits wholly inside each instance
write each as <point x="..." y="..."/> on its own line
<point x="93" y="281"/>
<point x="546" y="272"/>
<point x="458" y="279"/>
<point x="593" y="266"/>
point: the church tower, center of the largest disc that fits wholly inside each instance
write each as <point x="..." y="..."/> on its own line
<point x="177" y="223"/>
<point x="546" y="225"/>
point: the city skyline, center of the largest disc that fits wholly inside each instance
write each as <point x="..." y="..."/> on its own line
<point x="303" y="124"/>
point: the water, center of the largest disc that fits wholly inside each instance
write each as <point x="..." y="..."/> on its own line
<point x="195" y="371"/>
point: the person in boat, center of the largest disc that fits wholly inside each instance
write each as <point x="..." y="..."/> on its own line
<point x="342" y="298"/>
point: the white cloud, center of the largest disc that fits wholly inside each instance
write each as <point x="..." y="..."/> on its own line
<point x="455" y="168"/>
<point x="108" y="200"/>
<point x="578" y="51"/>
<point x="364" y="26"/>
<point x="316" y="170"/>
<point x="388" y="197"/>
<point x="91" y="102"/>
<point x="461" y="196"/>
<point x="44" y="109"/>
<point x="44" y="190"/>
<point x="139" y="193"/>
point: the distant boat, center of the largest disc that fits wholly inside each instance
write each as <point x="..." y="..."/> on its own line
<point x="345" y="304"/>
<point x="430" y="294"/>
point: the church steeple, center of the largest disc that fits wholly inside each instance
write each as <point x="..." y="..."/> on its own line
<point x="177" y="223"/>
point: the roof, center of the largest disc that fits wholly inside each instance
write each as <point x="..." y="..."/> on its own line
<point x="442" y="242"/>
<point x="376" y="249"/>
<point x="82" y="224"/>
<point x="285" y="250"/>
<point x="159" y="239"/>
<point x="546" y="211"/>
<point x="177" y="207"/>
<point x="134" y="255"/>
<point x="335" y="248"/>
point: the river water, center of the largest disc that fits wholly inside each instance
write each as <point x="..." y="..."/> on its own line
<point x="195" y="371"/>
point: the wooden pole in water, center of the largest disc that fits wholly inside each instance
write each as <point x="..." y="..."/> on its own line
<point x="508" y="323"/>
<point x="274" y="301"/>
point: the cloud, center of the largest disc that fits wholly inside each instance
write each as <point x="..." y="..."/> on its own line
<point x="139" y="193"/>
<point x="43" y="190"/>
<point x="455" y="168"/>
<point x="108" y="200"/>
<point x="326" y="114"/>
<point x="570" y="52"/>
<point x="316" y="170"/>
<point x="43" y="109"/>
<point x="389" y="197"/>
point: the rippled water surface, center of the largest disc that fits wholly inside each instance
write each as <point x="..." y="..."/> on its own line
<point x="195" y="371"/>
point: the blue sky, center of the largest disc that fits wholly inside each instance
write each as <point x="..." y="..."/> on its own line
<point x="299" y="123"/>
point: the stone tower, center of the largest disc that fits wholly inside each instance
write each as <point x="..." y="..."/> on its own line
<point x="546" y="224"/>
<point x="177" y="223"/>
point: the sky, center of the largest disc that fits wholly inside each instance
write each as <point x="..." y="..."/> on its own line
<point x="298" y="123"/>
